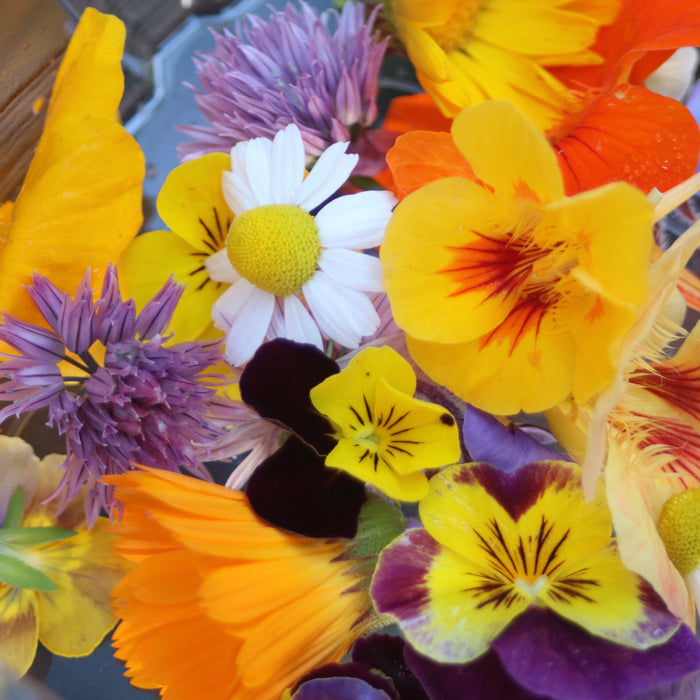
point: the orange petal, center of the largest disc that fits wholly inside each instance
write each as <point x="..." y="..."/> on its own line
<point x="410" y="112"/>
<point x="419" y="157"/>
<point x="630" y="134"/>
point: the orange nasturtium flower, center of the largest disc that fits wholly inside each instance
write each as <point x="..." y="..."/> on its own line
<point x="55" y="575"/>
<point x="512" y="295"/>
<point x="80" y="203"/>
<point x="223" y="605"/>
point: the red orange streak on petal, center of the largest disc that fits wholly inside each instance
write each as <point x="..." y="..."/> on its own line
<point x="596" y="311"/>
<point x="678" y="386"/>
<point x="491" y="264"/>
<point x="526" y="317"/>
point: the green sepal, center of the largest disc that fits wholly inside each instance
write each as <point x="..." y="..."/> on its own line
<point x="15" y="510"/>
<point x="33" y="536"/>
<point x="15" y="572"/>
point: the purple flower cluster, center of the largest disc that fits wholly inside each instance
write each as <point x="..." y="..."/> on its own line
<point x="144" y="403"/>
<point x="293" y="69"/>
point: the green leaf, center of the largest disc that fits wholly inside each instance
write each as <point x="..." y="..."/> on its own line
<point x="15" y="509"/>
<point x="16" y="573"/>
<point x="33" y="536"/>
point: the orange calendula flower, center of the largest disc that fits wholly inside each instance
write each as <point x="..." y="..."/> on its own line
<point x="80" y="203"/>
<point x="468" y="51"/>
<point x="513" y="295"/>
<point x="55" y="575"/>
<point x="221" y="604"/>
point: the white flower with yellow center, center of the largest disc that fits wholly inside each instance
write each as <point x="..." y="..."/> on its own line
<point x="295" y="274"/>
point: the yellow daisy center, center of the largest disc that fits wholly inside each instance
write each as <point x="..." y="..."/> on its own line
<point x="457" y="29"/>
<point x="679" y="527"/>
<point x="275" y="247"/>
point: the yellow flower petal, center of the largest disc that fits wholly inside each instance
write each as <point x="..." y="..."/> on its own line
<point x="75" y="617"/>
<point x="507" y="151"/>
<point x="79" y="207"/>
<point x="192" y="204"/>
<point x="90" y="78"/>
<point x="151" y="259"/>
<point x="18" y="628"/>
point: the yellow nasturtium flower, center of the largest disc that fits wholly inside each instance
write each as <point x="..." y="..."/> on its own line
<point x="80" y="203"/>
<point x="56" y="576"/>
<point x="385" y="436"/>
<point x="512" y="295"/>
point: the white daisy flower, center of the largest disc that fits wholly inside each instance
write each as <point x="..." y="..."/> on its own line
<point x="294" y="274"/>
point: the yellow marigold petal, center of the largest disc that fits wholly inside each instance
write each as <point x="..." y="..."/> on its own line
<point x="191" y="202"/>
<point x="18" y="628"/>
<point x="507" y="151"/>
<point x="425" y="12"/>
<point x="79" y="207"/>
<point x="147" y="264"/>
<point x="526" y="364"/>
<point x="448" y="281"/>
<point x="90" y="78"/>
<point x="74" y="618"/>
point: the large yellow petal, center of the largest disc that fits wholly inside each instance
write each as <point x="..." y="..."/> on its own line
<point x="447" y="271"/>
<point x="192" y="204"/>
<point x="18" y="628"/>
<point x="508" y="152"/>
<point x="74" y="618"/>
<point x="526" y="364"/>
<point x="151" y="259"/>
<point x="90" y="79"/>
<point x="79" y="207"/>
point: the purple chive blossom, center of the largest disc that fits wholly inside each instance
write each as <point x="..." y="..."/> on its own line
<point x="143" y="403"/>
<point x="293" y="69"/>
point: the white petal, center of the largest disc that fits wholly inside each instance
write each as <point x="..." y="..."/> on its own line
<point x="257" y="169"/>
<point x="277" y="327"/>
<point x="352" y="269"/>
<point x="219" y="268"/>
<point x="355" y="220"/>
<point x="249" y="327"/>
<point x="237" y="192"/>
<point x="344" y="315"/>
<point x="286" y="165"/>
<point x="299" y="324"/>
<point x="332" y="169"/>
<point x="229" y="304"/>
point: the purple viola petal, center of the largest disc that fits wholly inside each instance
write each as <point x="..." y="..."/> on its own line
<point x="350" y="681"/>
<point x="385" y="653"/>
<point x="505" y="447"/>
<point x="276" y="383"/>
<point x="550" y="655"/>
<point x="295" y="491"/>
<point x="482" y="679"/>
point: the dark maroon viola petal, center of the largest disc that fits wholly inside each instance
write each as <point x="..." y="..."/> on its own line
<point x="276" y="383"/>
<point x="518" y="491"/>
<point x="337" y="684"/>
<point x="505" y="447"/>
<point x="482" y="679"/>
<point x="385" y="653"/>
<point x="550" y="655"/>
<point x="294" y="490"/>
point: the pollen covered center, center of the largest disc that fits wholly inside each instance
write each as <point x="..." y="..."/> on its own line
<point x="275" y="247"/>
<point x="679" y="529"/>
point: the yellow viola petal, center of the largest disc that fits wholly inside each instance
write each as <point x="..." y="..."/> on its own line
<point x="74" y="618"/>
<point x="90" y="78"/>
<point x="526" y="364"/>
<point x="191" y="202"/>
<point x="359" y="462"/>
<point x="447" y="270"/>
<point x="147" y="264"/>
<point x="79" y="207"/>
<point x="18" y="628"/>
<point x="508" y="152"/>
<point x="355" y="386"/>
<point x="600" y="594"/>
